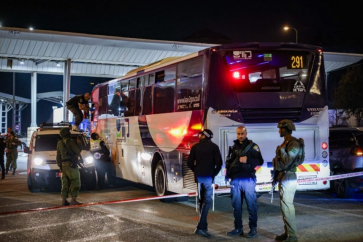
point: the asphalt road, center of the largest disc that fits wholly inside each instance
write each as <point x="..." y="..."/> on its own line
<point x="320" y="216"/>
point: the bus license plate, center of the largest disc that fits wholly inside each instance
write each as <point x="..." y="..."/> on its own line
<point x="58" y="174"/>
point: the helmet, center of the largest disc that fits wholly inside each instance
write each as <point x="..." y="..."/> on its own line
<point x="64" y="132"/>
<point x="287" y="124"/>
<point x="208" y="133"/>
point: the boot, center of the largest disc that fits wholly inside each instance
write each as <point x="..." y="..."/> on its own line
<point x="2" y="177"/>
<point x="74" y="201"/>
<point x="14" y="171"/>
<point x="65" y="202"/>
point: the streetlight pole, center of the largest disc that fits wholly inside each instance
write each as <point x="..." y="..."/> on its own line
<point x="296" y="31"/>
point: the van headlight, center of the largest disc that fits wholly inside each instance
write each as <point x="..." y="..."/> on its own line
<point x="39" y="161"/>
<point x="88" y="160"/>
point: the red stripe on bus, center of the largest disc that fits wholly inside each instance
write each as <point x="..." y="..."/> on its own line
<point x="315" y="167"/>
<point x="302" y="168"/>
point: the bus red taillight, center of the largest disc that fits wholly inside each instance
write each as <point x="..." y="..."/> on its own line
<point x="359" y="152"/>
<point x="236" y="75"/>
<point x="324" y="146"/>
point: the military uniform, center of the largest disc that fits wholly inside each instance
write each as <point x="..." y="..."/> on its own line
<point x="71" y="183"/>
<point x="284" y="163"/>
<point x="101" y="155"/>
<point x="2" y="151"/>
<point x="243" y="183"/>
<point x="12" y="153"/>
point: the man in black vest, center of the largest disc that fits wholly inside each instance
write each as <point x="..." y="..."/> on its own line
<point x="245" y="157"/>
<point x="75" y="105"/>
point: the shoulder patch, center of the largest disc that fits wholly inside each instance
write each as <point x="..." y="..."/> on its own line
<point x="256" y="148"/>
<point x="293" y="151"/>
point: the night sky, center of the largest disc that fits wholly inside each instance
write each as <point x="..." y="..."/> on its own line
<point x="334" y="25"/>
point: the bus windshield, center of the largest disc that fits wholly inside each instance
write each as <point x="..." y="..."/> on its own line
<point x="269" y="70"/>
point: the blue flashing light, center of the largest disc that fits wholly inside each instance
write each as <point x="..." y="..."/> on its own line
<point x="259" y="55"/>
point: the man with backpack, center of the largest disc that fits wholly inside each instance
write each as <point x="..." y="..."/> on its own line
<point x="241" y="163"/>
<point x="289" y="155"/>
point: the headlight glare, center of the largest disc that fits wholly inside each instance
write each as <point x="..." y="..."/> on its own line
<point x="39" y="161"/>
<point x="89" y="160"/>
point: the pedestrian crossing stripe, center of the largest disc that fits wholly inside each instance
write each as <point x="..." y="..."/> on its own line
<point x="308" y="168"/>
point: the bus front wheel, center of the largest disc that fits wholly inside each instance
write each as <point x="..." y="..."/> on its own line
<point x="160" y="179"/>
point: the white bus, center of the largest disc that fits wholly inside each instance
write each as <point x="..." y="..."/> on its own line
<point x="151" y="117"/>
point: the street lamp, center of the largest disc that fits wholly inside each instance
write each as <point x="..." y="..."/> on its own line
<point x="296" y="31"/>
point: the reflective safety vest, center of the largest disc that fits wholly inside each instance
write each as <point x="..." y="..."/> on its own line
<point x="96" y="149"/>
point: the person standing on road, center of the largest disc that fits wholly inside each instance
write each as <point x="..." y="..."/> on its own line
<point x="11" y="151"/>
<point x="2" y="151"/>
<point x="284" y="164"/>
<point x="244" y="158"/>
<point x="101" y="155"/>
<point x="205" y="161"/>
<point x="75" y="105"/>
<point x="67" y="150"/>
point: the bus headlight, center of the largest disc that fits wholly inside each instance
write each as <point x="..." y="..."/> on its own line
<point x="88" y="160"/>
<point x="39" y="161"/>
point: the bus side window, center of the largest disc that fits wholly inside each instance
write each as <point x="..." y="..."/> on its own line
<point x="164" y="97"/>
<point x="147" y="101"/>
<point x="114" y="99"/>
<point x="150" y="80"/>
<point x="102" y="102"/>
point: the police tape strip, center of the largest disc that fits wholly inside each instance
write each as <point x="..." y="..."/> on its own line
<point x="330" y="178"/>
<point x="192" y="194"/>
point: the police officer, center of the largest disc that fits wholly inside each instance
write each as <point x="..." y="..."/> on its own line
<point x="66" y="150"/>
<point x="101" y="155"/>
<point x="205" y="161"/>
<point x="245" y="156"/>
<point x="2" y="151"/>
<point x="283" y="163"/>
<point x="12" y="143"/>
<point x="75" y="105"/>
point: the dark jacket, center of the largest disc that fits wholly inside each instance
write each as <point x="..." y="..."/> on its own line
<point x="205" y="159"/>
<point x="244" y="170"/>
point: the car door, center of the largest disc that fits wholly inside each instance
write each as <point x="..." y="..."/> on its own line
<point x="341" y="142"/>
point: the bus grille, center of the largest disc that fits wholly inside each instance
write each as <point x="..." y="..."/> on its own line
<point x="270" y="115"/>
<point x="188" y="175"/>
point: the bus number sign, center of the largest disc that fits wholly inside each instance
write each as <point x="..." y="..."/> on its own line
<point x="297" y="62"/>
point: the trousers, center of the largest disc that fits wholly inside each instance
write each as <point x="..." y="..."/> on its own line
<point x="287" y="189"/>
<point x="205" y="198"/>
<point x="244" y="188"/>
<point x="71" y="181"/>
<point x="78" y="115"/>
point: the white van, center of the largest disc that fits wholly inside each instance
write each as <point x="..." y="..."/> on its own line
<point x="42" y="168"/>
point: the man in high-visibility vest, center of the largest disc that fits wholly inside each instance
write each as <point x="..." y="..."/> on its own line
<point x="100" y="154"/>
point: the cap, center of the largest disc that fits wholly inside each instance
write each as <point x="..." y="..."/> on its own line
<point x="208" y="133"/>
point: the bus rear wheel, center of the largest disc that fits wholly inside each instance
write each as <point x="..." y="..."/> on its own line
<point x="342" y="187"/>
<point x="160" y="179"/>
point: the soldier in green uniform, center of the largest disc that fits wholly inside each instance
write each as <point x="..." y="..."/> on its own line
<point x="12" y="143"/>
<point x="284" y="164"/>
<point x="71" y="182"/>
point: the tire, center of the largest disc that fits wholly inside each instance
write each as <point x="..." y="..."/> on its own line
<point x="31" y="187"/>
<point x="160" y="179"/>
<point x="342" y="187"/>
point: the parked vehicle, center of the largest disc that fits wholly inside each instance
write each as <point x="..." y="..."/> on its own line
<point x="346" y="156"/>
<point x="42" y="168"/>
